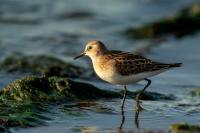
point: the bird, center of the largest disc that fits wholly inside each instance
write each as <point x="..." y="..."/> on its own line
<point x="123" y="68"/>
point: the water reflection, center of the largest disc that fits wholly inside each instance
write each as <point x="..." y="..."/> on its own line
<point x="137" y="124"/>
<point x="136" y="119"/>
<point x="122" y="119"/>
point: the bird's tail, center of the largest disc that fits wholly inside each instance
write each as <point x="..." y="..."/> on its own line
<point x="176" y="65"/>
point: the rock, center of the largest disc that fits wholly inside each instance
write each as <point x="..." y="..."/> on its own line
<point x="184" y="128"/>
<point x="23" y="114"/>
<point x="75" y="15"/>
<point x="23" y="101"/>
<point x="185" y="22"/>
<point x="195" y="92"/>
<point x="4" y="129"/>
<point x="23" y="13"/>
<point x="46" y="89"/>
<point x="19" y="20"/>
<point x="56" y="38"/>
<point x="42" y="65"/>
<point x="149" y="95"/>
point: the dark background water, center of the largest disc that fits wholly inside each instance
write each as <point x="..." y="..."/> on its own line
<point x="62" y="27"/>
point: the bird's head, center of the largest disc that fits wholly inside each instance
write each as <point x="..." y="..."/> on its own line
<point x="93" y="49"/>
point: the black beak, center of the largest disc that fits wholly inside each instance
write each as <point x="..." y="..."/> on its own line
<point x="81" y="55"/>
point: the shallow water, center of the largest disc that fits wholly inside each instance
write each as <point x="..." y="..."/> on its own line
<point x="61" y="28"/>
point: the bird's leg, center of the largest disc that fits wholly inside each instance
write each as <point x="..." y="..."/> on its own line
<point x="122" y="119"/>
<point x="124" y="97"/>
<point x="139" y="95"/>
<point x="122" y="107"/>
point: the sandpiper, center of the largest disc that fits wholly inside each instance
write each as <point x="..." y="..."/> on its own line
<point x="123" y="68"/>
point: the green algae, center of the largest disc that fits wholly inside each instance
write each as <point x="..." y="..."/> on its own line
<point x="30" y="89"/>
<point x="185" y="22"/>
<point x="23" y="114"/>
<point x="40" y="65"/>
<point x="23" y="102"/>
<point x="195" y="92"/>
<point x="4" y="129"/>
<point x="184" y="127"/>
<point x="86" y="91"/>
<point x="149" y="95"/>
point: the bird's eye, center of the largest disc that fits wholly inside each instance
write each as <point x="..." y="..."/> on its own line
<point x="90" y="47"/>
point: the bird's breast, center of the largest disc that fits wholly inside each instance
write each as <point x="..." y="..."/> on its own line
<point x="105" y="69"/>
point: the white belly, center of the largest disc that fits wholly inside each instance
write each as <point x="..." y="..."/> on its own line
<point x="106" y="71"/>
<point x="124" y="80"/>
<point x="105" y="75"/>
<point x="116" y="78"/>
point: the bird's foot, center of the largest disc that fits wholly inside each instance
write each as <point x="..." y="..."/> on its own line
<point x="122" y="107"/>
<point x="138" y="106"/>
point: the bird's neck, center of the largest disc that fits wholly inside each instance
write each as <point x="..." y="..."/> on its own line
<point x="97" y="57"/>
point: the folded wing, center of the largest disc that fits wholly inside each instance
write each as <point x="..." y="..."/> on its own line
<point x="128" y="63"/>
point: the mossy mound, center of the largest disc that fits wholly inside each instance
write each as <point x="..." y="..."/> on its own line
<point x="41" y="65"/>
<point x="184" y="128"/>
<point x="26" y="101"/>
<point x="23" y="114"/>
<point x="195" y="92"/>
<point x="40" y="89"/>
<point x="185" y="22"/>
<point x="150" y="95"/>
<point x="3" y="129"/>
<point x="23" y="102"/>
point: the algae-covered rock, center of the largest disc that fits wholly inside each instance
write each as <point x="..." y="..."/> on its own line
<point x="42" y="65"/>
<point x="23" y="114"/>
<point x="32" y="88"/>
<point x="75" y="15"/>
<point x="150" y="95"/>
<point x="184" y="128"/>
<point x="185" y="22"/>
<point x="3" y="129"/>
<point x="23" y="101"/>
<point x="195" y="92"/>
<point x="42" y="89"/>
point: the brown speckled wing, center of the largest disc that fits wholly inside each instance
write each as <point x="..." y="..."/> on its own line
<point x="128" y="63"/>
